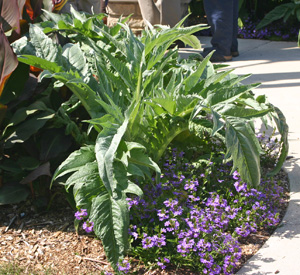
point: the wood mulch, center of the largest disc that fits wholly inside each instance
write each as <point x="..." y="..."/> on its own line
<point x="46" y="243"/>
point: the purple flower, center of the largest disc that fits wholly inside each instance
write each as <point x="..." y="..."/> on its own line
<point x="88" y="226"/>
<point x="79" y="215"/>
<point x="239" y="187"/>
<point x="236" y="175"/>
<point x="162" y="214"/>
<point x="161" y="263"/>
<point x="124" y="266"/>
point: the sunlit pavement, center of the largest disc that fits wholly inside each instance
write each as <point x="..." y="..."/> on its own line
<point x="276" y="65"/>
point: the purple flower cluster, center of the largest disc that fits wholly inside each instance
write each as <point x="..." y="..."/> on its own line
<point x="88" y="225"/>
<point x="81" y="214"/>
<point x="154" y="241"/>
<point x="276" y="30"/>
<point x="188" y="219"/>
<point x="124" y="266"/>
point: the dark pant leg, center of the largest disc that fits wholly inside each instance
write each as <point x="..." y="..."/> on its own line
<point x="234" y="45"/>
<point x="220" y="17"/>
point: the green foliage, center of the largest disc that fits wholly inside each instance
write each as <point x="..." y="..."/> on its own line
<point x="284" y="11"/>
<point x="13" y="194"/>
<point x="139" y="97"/>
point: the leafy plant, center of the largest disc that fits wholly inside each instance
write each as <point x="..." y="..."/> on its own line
<point x="284" y="11"/>
<point x="198" y="212"/>
<point x="28" y="109"/>
<point x="140" y="97"/>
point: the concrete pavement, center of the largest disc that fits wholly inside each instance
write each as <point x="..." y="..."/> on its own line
<point x="277" y="66"/>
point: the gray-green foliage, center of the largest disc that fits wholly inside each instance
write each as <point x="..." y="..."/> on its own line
<point x="139" y="96"/>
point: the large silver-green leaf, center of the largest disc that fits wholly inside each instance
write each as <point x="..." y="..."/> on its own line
<point x="75" y="160"/>
<point x="242" y="147"/>
<point x="86" y="185"/>
<point x="82" y="90"/>
<point x="194" y="78"/>
<point x="111" y="222"/>
<point x="74" y="59"/>
<point x="234" y="110"/>
<point x="106" y="146"/>
<point x="45" y="48"/>
<point x="283" y="130"/>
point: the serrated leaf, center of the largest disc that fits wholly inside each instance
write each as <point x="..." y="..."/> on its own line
<point x="88" y="186"/>
<point x="194" y="78"/>
<point x="84" y="174"/>
<point x="44" y="46"/>
<point x="283" y="130"/>
<point x="75" y="160"/>
<point x="167" y="104"/>
<point x="217" y="123"/>
<point x="140" y="158"/>
<point x="134" y="189"/>
<point x="111" y="222"/>
<point x="74" y="59"/>
<point x="40" y="63"/>
<point x="106" y="146"/>
<point x="192" y="41"/>
<point x="242" y="147"/>
<point x="240" y="111"/>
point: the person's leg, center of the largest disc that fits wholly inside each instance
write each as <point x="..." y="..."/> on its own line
<point x="234" y="45"/>
<point x="149" y="11"/>
<point x="171" y="12"/>
<point x="220" y="17"/>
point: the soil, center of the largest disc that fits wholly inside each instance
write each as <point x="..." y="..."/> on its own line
<point x="47" y="243"/>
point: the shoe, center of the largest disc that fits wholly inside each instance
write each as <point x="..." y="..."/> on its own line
<point x="216" y="57"/>
<point x="209" y="49"/>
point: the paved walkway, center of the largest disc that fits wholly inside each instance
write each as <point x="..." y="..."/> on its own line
<point x="277" y="66"/>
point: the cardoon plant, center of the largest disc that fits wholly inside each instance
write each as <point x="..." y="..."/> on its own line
<point x="140" y="97"/>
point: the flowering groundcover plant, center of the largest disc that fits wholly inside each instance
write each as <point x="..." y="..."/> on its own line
<point x="197" y="213"/>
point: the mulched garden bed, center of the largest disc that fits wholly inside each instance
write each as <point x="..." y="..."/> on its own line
<point x="47" y="243"/>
